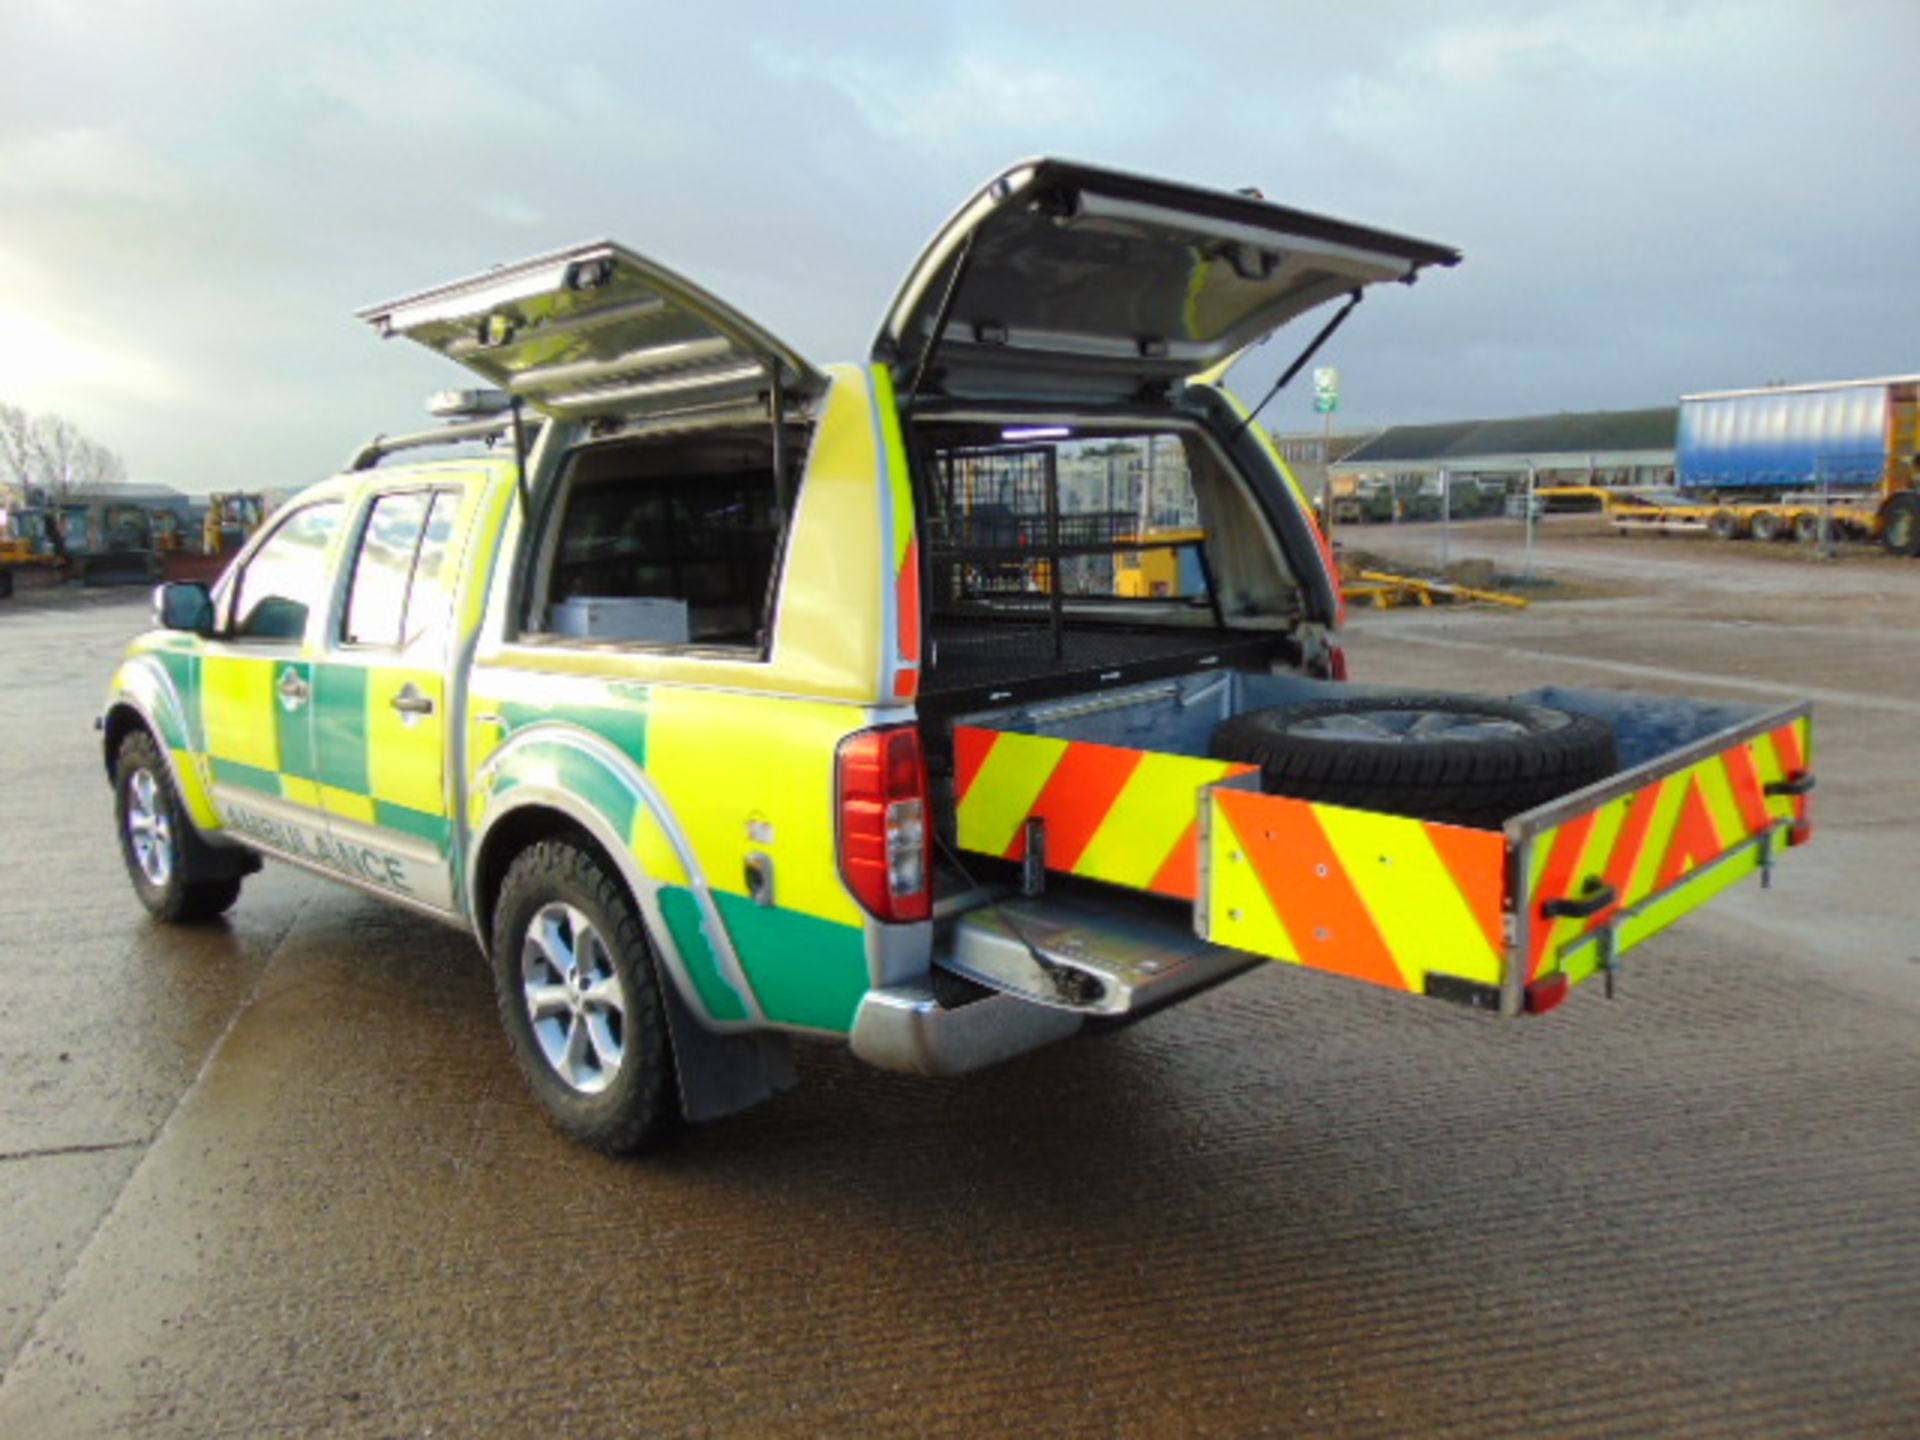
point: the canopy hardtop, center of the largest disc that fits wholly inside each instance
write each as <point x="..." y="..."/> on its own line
<point x="1063" y="280"/>
<point x="1057" y="281"/>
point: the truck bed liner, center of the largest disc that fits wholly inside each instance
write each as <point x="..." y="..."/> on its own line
<point x="984" y="663"/>
<point x="1118" y="788"/>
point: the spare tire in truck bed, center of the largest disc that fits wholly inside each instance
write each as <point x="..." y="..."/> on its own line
<point x="1463" y="759"/>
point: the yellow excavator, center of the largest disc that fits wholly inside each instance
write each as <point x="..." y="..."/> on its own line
<point x="32" y="549"/>
<point x="232" y="516"/>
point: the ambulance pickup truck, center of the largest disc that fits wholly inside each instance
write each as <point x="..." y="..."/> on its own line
<point x="944" y="705"/>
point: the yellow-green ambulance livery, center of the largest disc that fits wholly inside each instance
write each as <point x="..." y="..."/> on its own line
<point x="943" y="705"/>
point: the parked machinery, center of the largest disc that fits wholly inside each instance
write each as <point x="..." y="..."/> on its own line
<point x="231" y="518"/>
<point x="1788" y="461"/>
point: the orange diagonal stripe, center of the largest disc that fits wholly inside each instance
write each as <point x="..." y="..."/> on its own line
<point x="1744" y="780"/>
<point x="1179" y="873"/>
<point x="1568" y="841"/>
<point x="1310" y="891"/>
<point x="1474" y="858"/>
<point x="1694" y="841"/>
<point x="970" y="747"/>
<point x="1076" y="799"/>
<point x="1627" y="846"/>
<point x="907" y="588"/>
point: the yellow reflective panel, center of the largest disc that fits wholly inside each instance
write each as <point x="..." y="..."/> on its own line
<point x="1004" y="788"/>
<point x="655" y="851"/>
<point x="743" y="772"/>
<point x="1239" y="912"/>
<point x="827" y="635"/>
<point x="1413" y="899"/>
<point x="347" y="805"/>
<point x="237" y="700"/>
<point x="404" y="760"/>
<point x="193" y="792"/>
<point x="1159" y="801"/>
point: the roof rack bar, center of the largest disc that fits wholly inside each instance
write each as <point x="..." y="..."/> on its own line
<point x="371" y="453"/>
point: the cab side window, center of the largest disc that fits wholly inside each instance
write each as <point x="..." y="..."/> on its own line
<point x="670" y="541"/>
<point x="287" y="576"/>
<point x="401" y="584"/>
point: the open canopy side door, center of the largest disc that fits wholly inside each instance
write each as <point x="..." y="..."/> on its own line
<point x="597" y="330"/>
<point x="1062" y="281"/>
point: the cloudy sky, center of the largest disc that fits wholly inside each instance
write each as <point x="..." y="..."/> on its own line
<point x="1654" y="196"/>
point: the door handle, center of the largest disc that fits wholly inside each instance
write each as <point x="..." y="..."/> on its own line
<point x="410" y="702"/>
<point x="293" y="690"/>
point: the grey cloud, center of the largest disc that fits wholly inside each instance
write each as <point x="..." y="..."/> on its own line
<point x="1653" y="197"/>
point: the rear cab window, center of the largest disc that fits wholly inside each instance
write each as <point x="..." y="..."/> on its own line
<point x="669" y="542"/>
<point x="1054" y="548"/>
<point x="400" y="587"/>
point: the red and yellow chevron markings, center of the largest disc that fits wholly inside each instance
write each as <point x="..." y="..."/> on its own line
<point x="1376" y="897"/>
<point x="1651" y="841"/>
<point x="1128" y="817"/>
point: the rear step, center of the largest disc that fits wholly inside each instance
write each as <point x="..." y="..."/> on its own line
<point x="1119" y="957"/>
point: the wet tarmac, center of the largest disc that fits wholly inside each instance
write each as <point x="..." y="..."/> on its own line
<point x="277" y="1176"/>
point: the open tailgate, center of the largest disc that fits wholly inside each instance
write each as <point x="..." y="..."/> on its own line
<point x="1504" y="920"/>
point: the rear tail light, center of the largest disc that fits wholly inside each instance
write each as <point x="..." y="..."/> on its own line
<point x="881" y="788"/>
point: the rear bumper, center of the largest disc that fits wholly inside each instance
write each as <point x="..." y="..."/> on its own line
<point x="1048" y="965"/>
<point x="904" y="1027"/>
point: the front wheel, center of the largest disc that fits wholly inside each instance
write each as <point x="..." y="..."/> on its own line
<point x="580" y="998"/>
<point x="155" y="840"/>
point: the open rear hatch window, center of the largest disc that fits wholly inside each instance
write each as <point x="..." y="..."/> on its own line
<point x="597" y="330"/>
<point x="1073" y="283"/>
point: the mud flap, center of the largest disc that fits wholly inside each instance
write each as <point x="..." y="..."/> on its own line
<point x="721" y="1075"/>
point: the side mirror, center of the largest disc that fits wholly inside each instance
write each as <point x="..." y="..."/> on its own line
<point x="184" y="605"/>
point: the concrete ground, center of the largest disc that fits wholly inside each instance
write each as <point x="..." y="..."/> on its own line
<point x="278" y="1177"/>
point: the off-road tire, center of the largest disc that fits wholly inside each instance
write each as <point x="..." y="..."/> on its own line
<point x="1900" y="531"/>
<point x="638" y="1103"/>
<point x="146" y="808"/>
<point x="1461" y="759"/>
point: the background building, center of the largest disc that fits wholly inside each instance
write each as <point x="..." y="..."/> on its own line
<point x="1485" y="460"/>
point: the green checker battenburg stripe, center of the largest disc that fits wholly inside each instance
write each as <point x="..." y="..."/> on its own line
<point x="340" y="723"/>
<point x="575" y="774"/>
<point x="806" y="971"/>
<point x="294" y="727"/>
<point x="624" y="726"/>
<point x="432" y="828"/>
<point x="245" y="777"/>
<point x="184" y="672"/>
<point x="682" y="914"/>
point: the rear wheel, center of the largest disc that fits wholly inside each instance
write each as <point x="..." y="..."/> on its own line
<point x="1765" y="525"/>
<point x="1463" y="759"/>
<point x="1806" y="527"/>
<point x="1900" y="530"/>
<point x="155" y="841"/>
<point x="580" y="998"/>
<point x="1724" y="524"/>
